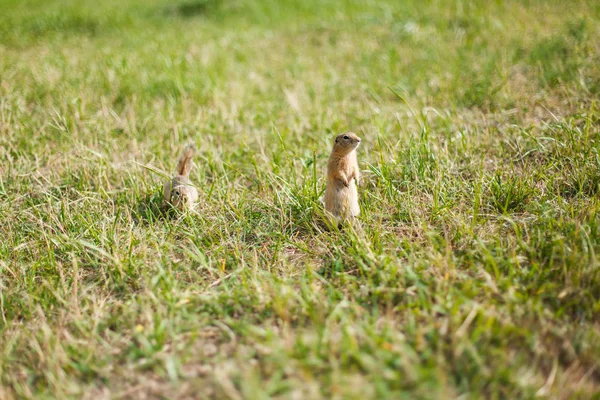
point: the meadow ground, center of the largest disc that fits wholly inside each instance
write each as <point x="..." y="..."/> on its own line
<point x="475" y="274"/>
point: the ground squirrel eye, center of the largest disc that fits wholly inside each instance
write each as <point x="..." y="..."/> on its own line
<point x="346" y="137"/>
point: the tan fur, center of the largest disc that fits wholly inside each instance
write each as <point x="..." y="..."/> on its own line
<point x="184" y="165"/>
<point x="179" y="191"/>
<point x="341" y="194"/>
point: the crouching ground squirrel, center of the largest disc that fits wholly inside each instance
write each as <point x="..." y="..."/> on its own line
<point x="341" y="194"/>
<point x="179" y="192"/>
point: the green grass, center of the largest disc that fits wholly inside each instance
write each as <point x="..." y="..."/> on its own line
<point x="475" y="273"/>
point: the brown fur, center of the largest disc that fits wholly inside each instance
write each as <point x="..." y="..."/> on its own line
<point x="341" y="195"/>
<point x="179" y="191"/>
<point x="184" y="165"/>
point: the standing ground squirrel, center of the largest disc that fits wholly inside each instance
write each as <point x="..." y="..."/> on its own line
<point x="179" y="191"/>
<point x="341" y="195"/>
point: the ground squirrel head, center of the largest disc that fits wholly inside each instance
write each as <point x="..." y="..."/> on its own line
<point x="346" y="142"/>
<point x="180" y="197"/>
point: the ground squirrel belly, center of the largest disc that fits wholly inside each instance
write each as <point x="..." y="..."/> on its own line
<point x="341" y="195"/>
<point x="179" y="191"/>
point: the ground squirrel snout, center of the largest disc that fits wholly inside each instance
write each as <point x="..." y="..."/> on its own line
<point x="341" y="194"/>
<point x="179" y="192"/>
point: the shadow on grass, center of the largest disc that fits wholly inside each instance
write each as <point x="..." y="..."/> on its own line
<point x="192" y="8"/>
<point x="150" y="210"/>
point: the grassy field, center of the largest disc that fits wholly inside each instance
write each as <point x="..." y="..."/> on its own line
<point x="476" y="272"/>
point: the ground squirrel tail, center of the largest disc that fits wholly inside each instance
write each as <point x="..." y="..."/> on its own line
<point x="184" y="166"/>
